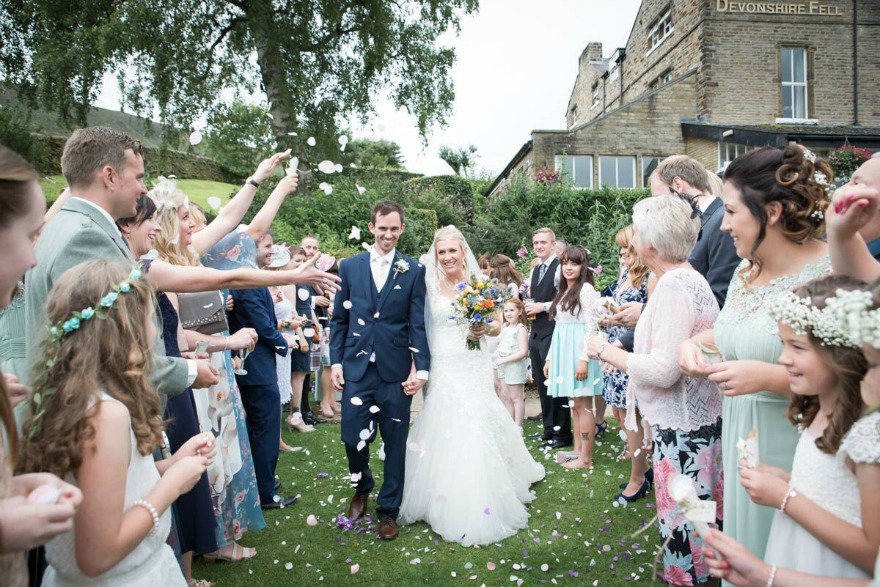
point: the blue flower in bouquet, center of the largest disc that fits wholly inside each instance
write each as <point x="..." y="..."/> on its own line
<point x="479" y="298"/>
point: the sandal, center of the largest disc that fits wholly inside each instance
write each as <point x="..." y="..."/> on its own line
<point x="624" y="456"/>
<point x="601" y="428"/>
<point x="239" y="553"/>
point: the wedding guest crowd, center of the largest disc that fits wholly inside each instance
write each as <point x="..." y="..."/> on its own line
<point x="150" y="355"/>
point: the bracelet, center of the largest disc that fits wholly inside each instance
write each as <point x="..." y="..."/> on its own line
<point x="252" y="181"/>
<point x="601" y="348"/>
<point x="153" y="514"/>
<point x="788" y="495"/>
<point x="772" y="576"/>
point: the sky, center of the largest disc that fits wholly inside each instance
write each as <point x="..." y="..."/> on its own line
<point x="517" y="61"/>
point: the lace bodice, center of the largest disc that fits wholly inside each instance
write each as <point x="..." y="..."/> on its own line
<point x="825" y="479"/>
<point x="139" y="565"/>
<point x="682" y="305"/>
<point x="862" y="443"/>
<point x="744" y="329"/>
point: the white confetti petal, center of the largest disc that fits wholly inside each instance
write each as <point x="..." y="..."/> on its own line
<point x="338" y="168"/>
<point x="365" y="434"/>
<point x="328" y="189"/>
<point x="214" y="202"/>
<point x="361" y="322"/>
<point x="414" y="349"/>
<point x="195" y="137"/>
<point x="347" y="304"/>
<point x="326" y="166"/>
<point x="303" y="294"/>
<point x="355" y="477"/>
<point x="292" y="134"/>
<point x="309" y="332"/>
<point x="361" y="445"/>
<point x="343" y="139"/>
<point x="355" y="568"/>
<point x="288" y="566"/>
<point x="356" y="401"/>
<point x="367" y="246"/>
<point x="355" y="233"/>
<point x="311" y="141"/>
<point x="293" y="166"/>
<point x="361" y="189"/>
<point x="312" y="520"/>
<point x="545" y="567"/>
<point x="374" y="409"/>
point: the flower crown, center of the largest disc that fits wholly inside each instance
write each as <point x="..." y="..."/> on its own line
<point x="855" y="312"/>
<point x="60" y="330"/>
<point x="800" y="314"/>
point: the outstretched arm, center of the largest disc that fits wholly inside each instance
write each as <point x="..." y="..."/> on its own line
<point x="230" y="215"/>
<point x="263" y="219"/>
<point x="852" y="207"/>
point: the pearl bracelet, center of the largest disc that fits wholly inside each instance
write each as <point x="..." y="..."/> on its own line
<point x="153" y="514"/>
<point x="788" y="495"/>
<point x="772" y="576"/>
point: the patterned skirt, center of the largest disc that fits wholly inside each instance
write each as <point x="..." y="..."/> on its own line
<point x="696" y="454"/>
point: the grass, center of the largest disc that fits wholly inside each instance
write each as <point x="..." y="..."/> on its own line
<point x="198" y="190"/>
<point x="574" y="529"/>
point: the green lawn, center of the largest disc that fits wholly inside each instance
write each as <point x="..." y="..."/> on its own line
<point x="576" y="535"/>
<point x="198" y="190"/>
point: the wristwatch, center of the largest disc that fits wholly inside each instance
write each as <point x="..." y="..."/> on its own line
<point x="252" y="181"/>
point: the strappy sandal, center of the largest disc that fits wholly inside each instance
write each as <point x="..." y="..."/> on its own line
<point x="239" y="553"/>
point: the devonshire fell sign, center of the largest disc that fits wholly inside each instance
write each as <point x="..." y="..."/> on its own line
<point x="805" y="7"/>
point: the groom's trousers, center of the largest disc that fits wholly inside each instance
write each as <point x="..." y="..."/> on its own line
<point x="359" y="424"/>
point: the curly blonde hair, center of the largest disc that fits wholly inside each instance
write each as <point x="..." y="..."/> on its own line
<point x="638" y="271"/>
<point x="787" y="176"/>
<point x="112" y="355"/>
<point x="169" y="200"/>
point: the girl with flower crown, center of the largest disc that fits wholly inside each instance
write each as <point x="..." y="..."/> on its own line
<point x="96" y="422"/>
<point x="851" y="314"/>
<point x="774" y="207"/>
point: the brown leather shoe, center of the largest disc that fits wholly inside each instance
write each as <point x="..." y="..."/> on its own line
<point x="388" y="528"/>
<point x="358" y="506"/>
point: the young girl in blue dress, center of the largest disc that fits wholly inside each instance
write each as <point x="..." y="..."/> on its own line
<point x="569" y="372"/>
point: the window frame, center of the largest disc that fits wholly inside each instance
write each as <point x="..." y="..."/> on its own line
<point x="617" y="159"/>
<point x="787" y="86"/>
<point x="569" y="174"/>
<point x="662" y="23"/>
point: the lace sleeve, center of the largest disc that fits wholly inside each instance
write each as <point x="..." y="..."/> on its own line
<point x="862" y="443"/>
<point x="588" y="298"/>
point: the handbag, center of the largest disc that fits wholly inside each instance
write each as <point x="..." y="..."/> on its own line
<point x="203" y="312"/>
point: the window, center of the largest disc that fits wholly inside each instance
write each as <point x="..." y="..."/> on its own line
<point x="616" y="59"/>
<point x="649" y="164"/>
<point x="660" y="29"/>
<point x="596" y="97"/>
<point x="576" y="169"/>
<point x="794" y="82"/>
<point x="661" y="80"/>
<point x="727" y="152"/>
<point x="617" y="172"/>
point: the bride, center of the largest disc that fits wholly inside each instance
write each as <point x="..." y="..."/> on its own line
<point x="468" y="471"/>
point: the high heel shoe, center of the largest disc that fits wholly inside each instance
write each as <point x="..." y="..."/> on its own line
<point x="643" y="490"/>
<point x="649" y="479"/>
<point x="295" y="421"/>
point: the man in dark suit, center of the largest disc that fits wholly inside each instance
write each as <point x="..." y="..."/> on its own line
<point x="253" y="308"/>
<point x="543" y="283"/>
<point x="714" y="255"/>
<point x="380" y="359"/>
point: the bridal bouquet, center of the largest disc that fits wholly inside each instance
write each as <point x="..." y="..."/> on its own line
<point x="478" y="298"/>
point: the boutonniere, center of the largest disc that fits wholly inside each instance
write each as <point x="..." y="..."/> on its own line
<point x="401" y="267"/>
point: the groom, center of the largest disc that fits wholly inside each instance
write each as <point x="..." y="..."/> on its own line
<point x="380" y="359"/>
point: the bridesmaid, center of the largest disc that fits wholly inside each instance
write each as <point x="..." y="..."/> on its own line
<point x="774" y="210"/>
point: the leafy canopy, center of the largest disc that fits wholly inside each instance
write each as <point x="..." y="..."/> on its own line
<point x="318" y="61"/>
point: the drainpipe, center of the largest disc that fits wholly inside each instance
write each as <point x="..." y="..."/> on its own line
<point x="855" y="36"/>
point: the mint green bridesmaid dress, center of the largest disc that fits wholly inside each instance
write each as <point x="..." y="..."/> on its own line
<point x="744" y="331"/>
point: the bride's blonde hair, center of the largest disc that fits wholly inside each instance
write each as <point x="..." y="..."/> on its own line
<point x="449" y="233"/>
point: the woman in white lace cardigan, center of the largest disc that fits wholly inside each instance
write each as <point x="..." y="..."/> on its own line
<point x="684" y="413"/>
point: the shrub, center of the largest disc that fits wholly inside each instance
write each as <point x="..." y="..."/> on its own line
<point x="845" y="160"/>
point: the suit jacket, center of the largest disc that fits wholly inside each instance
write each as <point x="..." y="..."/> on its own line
<point x="253" y="308"/>
<point x="388" y="323"/>
<point x="79" y="233"/>
<point x="543" y="291"/>
<point x="714" y="255"/>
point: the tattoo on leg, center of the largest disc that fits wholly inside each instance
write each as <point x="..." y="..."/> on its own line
<point x="585" y="435"/>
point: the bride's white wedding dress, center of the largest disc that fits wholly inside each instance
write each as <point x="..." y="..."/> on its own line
<point x="468" y="471"/>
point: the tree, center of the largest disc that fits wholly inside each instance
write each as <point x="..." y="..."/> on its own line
<point x="318" y="61"/>
<point x="239" y="136"/>
<point x="460" y="159"/>
<point x="381" y="154"/>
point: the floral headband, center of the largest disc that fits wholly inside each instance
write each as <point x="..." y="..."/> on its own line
<point x="60" y="330"/>
<point x="820" y="178"/>
<point x="855" y="312"/>
<point x="800" y="314"/>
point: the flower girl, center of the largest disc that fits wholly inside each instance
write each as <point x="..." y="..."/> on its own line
<point x="96" y="422"/>
<point x="827" y="520"/>
<point x="512" y="363"/>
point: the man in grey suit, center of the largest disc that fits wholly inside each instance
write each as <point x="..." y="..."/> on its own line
<point x="714" y="255"/>
<point x="104" y="169"/>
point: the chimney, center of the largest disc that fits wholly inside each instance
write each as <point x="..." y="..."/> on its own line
<point x="593" y="52"/>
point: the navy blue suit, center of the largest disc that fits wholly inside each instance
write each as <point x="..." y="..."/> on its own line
<point x="253" y="308"/>
<point x="714" y="255"/>
<point x="391" y="325"/>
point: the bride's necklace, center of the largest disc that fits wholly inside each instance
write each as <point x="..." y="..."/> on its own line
<point x="448" y="284"/>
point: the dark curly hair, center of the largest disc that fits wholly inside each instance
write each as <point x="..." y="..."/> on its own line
<point x="847" y="364"/>
<point x="786" y="176"/>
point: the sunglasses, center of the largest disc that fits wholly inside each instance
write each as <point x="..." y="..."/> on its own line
<point x="690" y="201"/>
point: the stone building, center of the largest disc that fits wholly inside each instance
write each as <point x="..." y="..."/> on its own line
<point x="714" y="78"/>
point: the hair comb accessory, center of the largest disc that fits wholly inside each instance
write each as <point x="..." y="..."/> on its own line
<point x="64" y="328"/>
<point x="854" y="310"/>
